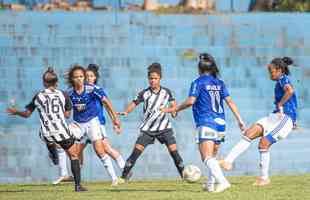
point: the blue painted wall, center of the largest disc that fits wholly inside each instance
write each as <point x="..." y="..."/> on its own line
<point x="124" y="45"/>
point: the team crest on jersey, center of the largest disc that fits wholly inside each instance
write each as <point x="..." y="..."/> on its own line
<point x="80" y="107"/>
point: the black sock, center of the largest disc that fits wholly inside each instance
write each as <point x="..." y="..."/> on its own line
<point x="131" y="162"/>
<point x="76" y="171"/>
<point x="178" y="161"/>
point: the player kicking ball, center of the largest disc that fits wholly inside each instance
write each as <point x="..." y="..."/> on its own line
<point x="157" y="102"/>
<point x="272" y="128"/>
<point x="53" y="107"/>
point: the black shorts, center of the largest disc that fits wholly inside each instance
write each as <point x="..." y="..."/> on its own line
<point x="66" y="144"/>
<point x="166" y="138"/>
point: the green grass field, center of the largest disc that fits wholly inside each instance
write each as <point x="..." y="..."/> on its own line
<point x="281" y="188"/>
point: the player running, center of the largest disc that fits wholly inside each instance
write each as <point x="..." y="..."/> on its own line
<point x="157" y="101"/>
<point x="274" y="127"/>
<point x="92" y="76"/>
<point x="206" y="96"/>
<point x="85" y="99"/>
<point x="53" y="107"/>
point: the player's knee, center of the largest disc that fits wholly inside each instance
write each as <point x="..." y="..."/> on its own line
<point x="140" y="147"/>
<point x="263" y="145"/>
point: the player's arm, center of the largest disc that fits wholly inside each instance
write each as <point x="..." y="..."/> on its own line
<point x="233" y="107"/>
<point x="26" y="113"/>
<point x="14" y="111"/>
<point x="186" y="104"/>
<point x="68" y="105"/>
<point x="171" y="108"/>
<point x="109" y="108"/>
<point x="288" y="92"/>
<point x="129" y="109"/>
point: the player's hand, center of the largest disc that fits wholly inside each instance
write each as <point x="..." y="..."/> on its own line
<point x="241" y="125"/>
<point x="117" y="126"/>
<point x="122" y="113"/>
<point x="11" y="111"/>
<point x="163" y="110"/>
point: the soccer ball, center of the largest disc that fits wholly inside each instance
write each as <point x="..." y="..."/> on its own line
<point x="191" y="173"/>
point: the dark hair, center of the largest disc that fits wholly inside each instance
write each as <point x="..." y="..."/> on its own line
<point x="94" y="68"/>
<point x="71" y="71"/>
<point x="154" y="68"/>
<point x="283" y="63"/>
<point x="207" y="64"/>
<point x="50" y="77"/>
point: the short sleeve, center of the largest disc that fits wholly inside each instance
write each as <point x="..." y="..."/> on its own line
<point x="194" y="90"/>
<point x="31" y="106"/>
<point x="284" y="81"/>
<point x="68" y="103"/>
<point x="139" y="98"/>
<point x="171" y="97"/>
<point x="224" y="91"/>
<point x="99" y="92"/>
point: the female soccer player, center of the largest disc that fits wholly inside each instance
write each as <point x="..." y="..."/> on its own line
<point x="85" y="113"/>
<point x="92" y="76"/>
<point x="157" y="102"/>
<point x="54" y="106"/>
<point x="206" y="96"/>
<point x="274" y="127"/>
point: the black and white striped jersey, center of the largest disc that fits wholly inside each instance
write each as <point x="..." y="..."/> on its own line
<point x="51" y="106"/>
<point x="154" y="122"/>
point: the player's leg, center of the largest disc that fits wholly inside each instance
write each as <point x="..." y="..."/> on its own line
<point x="250" y="134"/>
<point x="73" y="151"/>
<point x="63" y="169"/>
<point x="95" y="135"/>
<point x="113" y="153"/>
<point x="169" y="140"/>
<point x="142" y="141"/>
<point x="210" y="184"/>
<point x="207" y="148"/>
<point x="53" y="155"/>
<point x="281" y="127"/>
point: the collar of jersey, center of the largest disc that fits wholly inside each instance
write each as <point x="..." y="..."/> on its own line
<point x="155" y="92"/>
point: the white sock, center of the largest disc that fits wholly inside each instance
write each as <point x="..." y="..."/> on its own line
<point x="216" y="170"/>
<point x="211" y="178"/>
<point x="238" y="149"/>
<point x="120" y="162"/>
<point x="264" y="164"/>
<point x="63" y="170"/>
<point x="107" y="163"/>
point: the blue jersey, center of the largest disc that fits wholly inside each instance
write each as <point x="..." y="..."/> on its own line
<point x="101" y="113"/>
<point x="85" y="105"/>
<point x="208" y="109"/>
<point x="290" y="106"/>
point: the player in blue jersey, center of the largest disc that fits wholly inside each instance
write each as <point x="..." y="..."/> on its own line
<point x="206" y="96"/>
<point x="274" y="127"/>
<point x="85" y="99"/>
<point x="92" y="76"/>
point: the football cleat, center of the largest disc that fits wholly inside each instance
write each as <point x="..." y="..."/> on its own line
<point x="63" y="179"/>
<point x="261" y="182"/>
<point x="79" y="188"/>
<point x="221" y="187"/>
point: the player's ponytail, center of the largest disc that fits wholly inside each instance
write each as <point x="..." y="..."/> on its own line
<point x="50" y="77"/>
<point x="207" y="65"/>
<point x="95" y="69"/>
<point x="283" y="64"/>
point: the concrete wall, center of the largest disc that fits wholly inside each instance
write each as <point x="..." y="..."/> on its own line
<point x="124" y="45"/>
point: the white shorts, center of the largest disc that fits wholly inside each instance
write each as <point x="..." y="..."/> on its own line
<point x="206" y="133"/>
<point x="276" y="127"/>
<point x="92" y="129"/>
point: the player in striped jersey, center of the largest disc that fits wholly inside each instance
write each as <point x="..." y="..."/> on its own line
<point x="85" y="99"/>
<point x="158" y="101"/>
<point x="53" y="107"/>
<point x="274" y="127"/>
<point x="207" y="96"/>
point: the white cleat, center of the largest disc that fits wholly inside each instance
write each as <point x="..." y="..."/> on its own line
<point x="115" y="183"/>
<point x="221" y="187"/>
<point x="209" y="187"/>
<point x="63" y="179"/>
